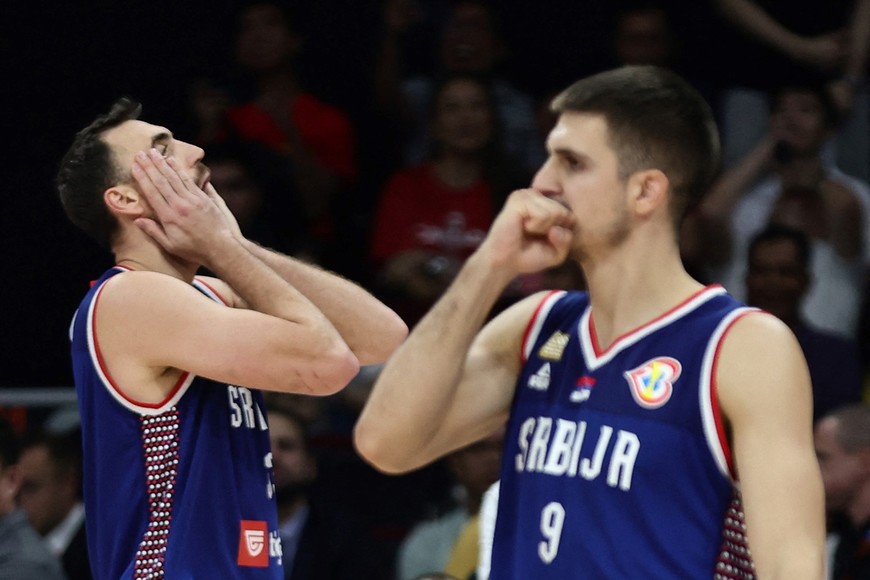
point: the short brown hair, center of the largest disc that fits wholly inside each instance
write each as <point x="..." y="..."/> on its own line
<point x="655" y="120"/>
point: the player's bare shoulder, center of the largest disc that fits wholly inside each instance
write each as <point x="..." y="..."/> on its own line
<point x="144" y="289"/>
<point x="135" y="304"/>
<point x="759" y="359"/>
<point x="755" y="337"/>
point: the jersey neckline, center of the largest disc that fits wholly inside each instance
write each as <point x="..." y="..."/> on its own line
<point x="596" y="356"/>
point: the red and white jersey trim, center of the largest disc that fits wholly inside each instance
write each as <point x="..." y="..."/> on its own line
<point x="112" y="387"/>
<point x="536" y="322"/>
<point x="711" y="416"/>
<point x="206" y="289"/>
<point x="595" y="358"/>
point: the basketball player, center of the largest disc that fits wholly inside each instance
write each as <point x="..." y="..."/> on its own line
<point x="635" y="412"/>
<point x="177" y="464"/>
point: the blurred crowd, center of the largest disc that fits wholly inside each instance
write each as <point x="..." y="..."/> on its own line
<point x="394" y="182"/>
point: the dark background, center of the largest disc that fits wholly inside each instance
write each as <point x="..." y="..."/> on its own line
<point x="63" y="63"/>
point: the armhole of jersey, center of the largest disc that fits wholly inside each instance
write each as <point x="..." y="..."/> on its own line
<point x="536" y="322"/>
<point x="206" y="289"/>
<point x="711" y="414"/>
<point x="114" y="390"/>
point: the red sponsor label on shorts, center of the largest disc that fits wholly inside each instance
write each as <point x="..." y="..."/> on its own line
<point x="254" y="544"/>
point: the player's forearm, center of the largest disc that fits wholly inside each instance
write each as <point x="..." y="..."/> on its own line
<point x="370" y="329"/>
<point x="263" y="290"/>
<point x="417" y="388"/>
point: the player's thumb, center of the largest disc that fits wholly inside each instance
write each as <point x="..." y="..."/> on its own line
<point x="560" y="236"/>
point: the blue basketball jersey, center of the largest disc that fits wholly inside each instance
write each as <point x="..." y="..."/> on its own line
<point x="616" y="465"/>
<point x="181" y="489"/>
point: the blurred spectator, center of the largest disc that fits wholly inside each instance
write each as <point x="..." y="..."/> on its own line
<point x="842" y="440"/>
<point x="385" y="506"/>
<point x="270" y="106"/>
<point x="256" y="188"/>
<point x="430" y="544"/>
<point x="470" y="41"/>
<point x="23" y="554"/>
<point x="777" y="281"/>
<point x="320" y="541"/>
<point x="432" y="216"/>
<point x="799" y="39"/>
<point x="643" y="34"/>
<point x="51" y="477"/>
<point x="864" y="335"/>
<point x="785" y="180"/>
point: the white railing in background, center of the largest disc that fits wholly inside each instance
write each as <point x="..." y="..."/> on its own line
<point x="37" y="396"/>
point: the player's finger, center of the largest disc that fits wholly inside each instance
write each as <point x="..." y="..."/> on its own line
<point x="560" y="237"/>
<point x="183" y="175"/>
<point x="543" y="213"/>
<point x="172" y="179"/>
<point x="149" y="189"/>
<point x="211" y="191"/>
<point x="153" y="229"/>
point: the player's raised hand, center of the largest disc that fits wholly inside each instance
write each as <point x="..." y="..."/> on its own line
<point x="185" y="220"/>
<point x="532" y="233"/>
<point x="232" y="222"/>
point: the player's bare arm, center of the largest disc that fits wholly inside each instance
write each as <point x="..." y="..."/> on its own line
<point x="765" y="395"/>
<point x="447" y="384"/>
<point x="371" y="329"/>
<point x="283" y="343"/>
<point x="151" y="326"/>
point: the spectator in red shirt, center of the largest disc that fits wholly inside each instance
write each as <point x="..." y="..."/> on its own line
<point x="433" y="215"/>
<point x="316" y="138"/>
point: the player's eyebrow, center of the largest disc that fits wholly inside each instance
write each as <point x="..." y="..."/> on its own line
<point x="567" y="152"/>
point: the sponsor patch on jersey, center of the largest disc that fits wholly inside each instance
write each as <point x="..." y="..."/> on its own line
<point x="540" y="381"/>
<point x="652" y="383"/>
<point x="554" y="347"/>
<point x="254" y="544"/>
<point x="582" y="390"/>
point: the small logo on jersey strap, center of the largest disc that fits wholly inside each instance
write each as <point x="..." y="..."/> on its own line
<point x="252" y="544"/>
<point x="652" y="383"/>
<point x="583" y="390"/>
<point x="554" y="347"/>
<point x="541" y="379"/>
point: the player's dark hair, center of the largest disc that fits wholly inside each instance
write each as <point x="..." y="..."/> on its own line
<point x="88" y="169"/>
<point x="655" y="120"/>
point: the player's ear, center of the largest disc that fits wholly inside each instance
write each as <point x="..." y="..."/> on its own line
<point x="649" y="190"/>
<point x="123" y="199"/>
